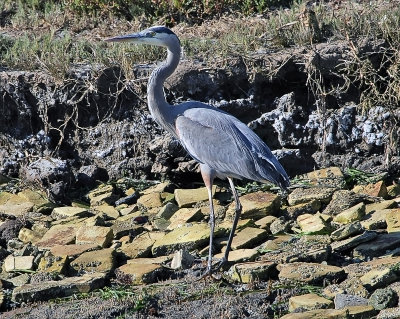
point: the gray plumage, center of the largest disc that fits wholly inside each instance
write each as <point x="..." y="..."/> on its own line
<point x="224" y="146"/>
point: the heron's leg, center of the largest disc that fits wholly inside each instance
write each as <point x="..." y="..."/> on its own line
<point x="238" y="210"/>
<point x="208" y="178"/>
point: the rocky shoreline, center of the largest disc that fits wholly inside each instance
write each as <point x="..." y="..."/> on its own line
<point x="341" y="242"/>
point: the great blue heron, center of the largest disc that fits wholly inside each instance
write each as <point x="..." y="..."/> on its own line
<point x="224" y="146"/>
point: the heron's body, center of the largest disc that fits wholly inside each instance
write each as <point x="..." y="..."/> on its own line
<point x="224" y="146"/>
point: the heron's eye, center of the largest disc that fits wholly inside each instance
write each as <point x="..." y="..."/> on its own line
<point x="152" y="34"/>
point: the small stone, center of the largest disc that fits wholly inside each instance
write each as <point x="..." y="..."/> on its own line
<point x="183" y="216"/>
<point x="99" y="235"/>
<point x="376" y="190"/>
<point x="126" y="227"/>
<point x="354" y="286"/>
<point x="65" y="212"/>
<point x="257" y="205"/>
<point x="309" y="302"/>
<point x="331" y="291"/>
<point x="127" y="210"/>
<point x="385" y="204"/>
<point x="378" y="246"/>
<point x="331" y="176"/>
<point x="137" y="274"/>
<point x="151" y="200"/>
<point x="28" y="236"/>
<point x="351" y="214"/>
<point x="58" y="235"/>
<point x="109" y="211"/>
<point x="352" y="242"/>
<point x="393" y="190"/>
<point x="376" y="278"/>
<point x="279" y="226"/>
<point x="347" y="300"/>
<point x="239" y="255"/>
<point x="347" y="231"/>
<point x="311" y="273"/>
<point x="393" y="221"/>
<point x="361" y="312"/>
<point x="104" y="194"/>
<point x="53" y="264"/>
<point x="312" y="224"/>
<point x="375" y="219"/>
<point x="310" y="207"/>
<point x="167" y="211"/>
<point x="265" y="222"/>
<point x="249" y="237"/>
<point x="41" y="203"/>
<point x="95" y="261"/>
<point x="182" y="260"/>
<point x="252" y="271"/>
<point x="14" y="205"/>
<point x="18" y="263"/>
<point x="342" y="200"/>
<point x="189" y="197"/>
<point x="62" y="288"/>
<point x="318" y="314"/>
<point x="20" y="280"/>
<point x="390" y="313"/>
<point x="383" y="298"/>
<point x="141" y="245"/>
<point x="304" y="195"/>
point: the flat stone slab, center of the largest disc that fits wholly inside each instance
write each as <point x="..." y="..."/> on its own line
<point x="309" y="302"/>
<point x="318" y="314"/>
<point x="189" y="236"/>
<point x="58" y="235"/>
<point x="376" y="190"/>
<point x="354" y="213"/>
<point x="150" y="200"/>
<point x="311" y="273"/>
<point x="360" y="269"/>
<point x="257" y="205"/>
<point x="252" y="271"/>
<point x="69" y="211"/>
<point x="346" y="231"/>
<point x="72" y="250"/>
<point x="305" y="208"/>
<point x="137" y="274"/>
<point x="141" y="245"/>
<point x="312" y="224"/>
<point x="331" y="176"/>
<point x="352" y="242"/>
<point x="189" y="197"/>
<point x="18" y="263"/>
<point x="304" y="195"/>
<point x="14" y="205"/>
<point x="109" y="211"/>
<point x="98" y="235"/>
<point x="183" y="216"/>
<point x="239" y="255"/>
<point x="393" y="220"/>
<point x="377" y="278"/>
<point x="62" y="288"/>
<point x="249" y="237"/>
<point x="378" y="246"/>
<point x="375" y="219"/>
<point x="39" y="199"/>
<point x="95" y="261"/>
<point x="385" y="204"/>
<point x="342" y="200"/>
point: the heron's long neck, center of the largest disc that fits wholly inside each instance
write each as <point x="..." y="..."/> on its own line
<point x="159" y="108"/>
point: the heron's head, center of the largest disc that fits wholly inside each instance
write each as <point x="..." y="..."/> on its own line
<point x="158" y="35"/>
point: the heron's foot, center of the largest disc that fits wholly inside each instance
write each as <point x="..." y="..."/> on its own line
<point x="212" y="271"/>
<point x="221" y="263"/>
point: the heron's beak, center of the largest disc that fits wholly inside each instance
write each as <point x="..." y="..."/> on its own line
<point x="125" y="38"/>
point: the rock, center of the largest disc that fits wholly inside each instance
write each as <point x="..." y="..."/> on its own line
<point x="310" y="273"/>
<point x="248" y="238"/>
<point x="280" y="225"/>
<point x="20" y="280"/>
<point x="159" y="188"/>
<point x="109" y="211"/>
<point x="351" y="214"/>
<point x="257" y="205"/>
<point x="310" y="207"/>
<point x="95" y="261"/>
<point x="141" y="245"/>
<point x="344" y="300"/>
<point x="39" y="199"/>
<point x="265" y="222"/>
<point x="360" y="269"/>
<point x="98" y="235"/>
<point x="18" y="263"/>
<point x="183" y="216"/>
<point x="14" y="205"/>
<point x="87" y="175"/>
<point x="354" y="286"/>
<point x="65" y="212"/>
<point x="304" y="195"/>
<point x="151" y="200"/>
<point x="126" y="227"/>
<point x="376" y="190"/>
<point x="54" y="264"/>
<point x="390" y="313"/>
<point x="331" y="176"/>
<point x="347" y="231"/>
<point x="393" y="220"/>
<point x="318" y="314"/>
<point x="182" y="260"/>
<point x="385" y="204"/>
<point x="361" y="312"/>
<point x="383" y="298"/>
<point x="239" y="255"/>
<point x="376" y="278"/>
<point x="312" y="224"/>
<point x="252" y="271"/>
<point x="352" y="242"/>
<point x="375" y="219"/>
<point x="58" y="235"/>
<point x="189" y="236"/>
<point x="189" y="197"/>
<point x="137" y="274"/>
<point x="62" y="288"/>
<point x="72" y="250"/>
<point x="342" y="200"/>
<point x="393" y="190"/>
<point x="28" y="236"/>
<point x="104" y="194"/>
<point x="167" y="211"/>
<point x="378" y="246"/>
<point x="309" y="302"/>
<point x="9" y="230"/>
